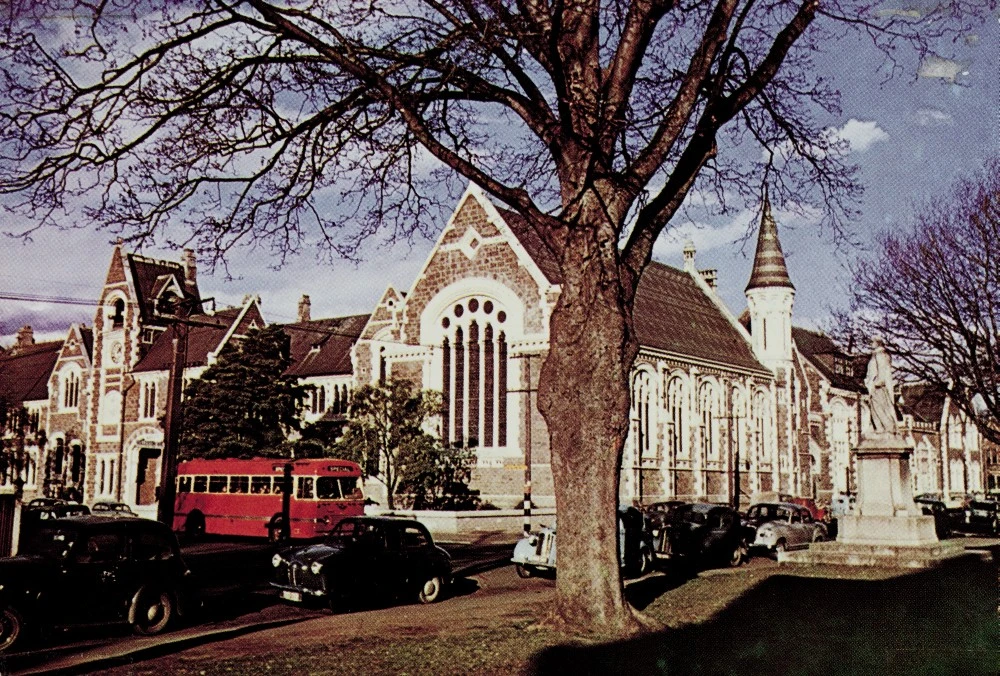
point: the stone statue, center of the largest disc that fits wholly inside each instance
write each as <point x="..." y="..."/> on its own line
<point x="880" y="390"/>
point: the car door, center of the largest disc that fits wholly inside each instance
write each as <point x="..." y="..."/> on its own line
<point x="93" y="577"/>
<point x="415" y="560"/>
<point x="799" y="533"/>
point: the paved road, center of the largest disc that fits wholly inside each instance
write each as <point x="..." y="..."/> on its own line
<point x="234" y="575"/>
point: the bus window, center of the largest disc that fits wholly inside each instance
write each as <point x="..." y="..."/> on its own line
<point x="349" y="487"/>
<point x="201" y="484"/>
<point x="217" y="484"/>
<point x="305" y="490"/>
<point x="260" y="485"/>
<point x="239" y="484"/>
<point x="327" y="488"/>
<point x="184" y="484"/>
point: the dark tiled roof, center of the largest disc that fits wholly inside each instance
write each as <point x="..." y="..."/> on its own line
<point x="149" y="275"/>
<point x="533" y="244"/>
<point x="322" y="347"/>
<point x="201" y="340"/>
<point x="673" y="314"/>
<point x="24" y="376"/>
<point x="88" y="340"/>
<point x="769" y="267"/>
<point x="922" y="401"/>
<point x="823" y="353"/>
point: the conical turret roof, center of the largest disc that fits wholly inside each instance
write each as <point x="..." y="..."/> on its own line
<point x="769" y="267"/>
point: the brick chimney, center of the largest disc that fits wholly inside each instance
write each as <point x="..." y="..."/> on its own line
<point x="25" y="338"/>
<point x="190" y="267"/>
<point x="689" y="252"/>
<point x="711" y="278"/>
<point x="304" y="308"/>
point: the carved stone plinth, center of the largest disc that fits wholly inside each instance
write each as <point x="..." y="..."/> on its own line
<point x="886" y="528"/>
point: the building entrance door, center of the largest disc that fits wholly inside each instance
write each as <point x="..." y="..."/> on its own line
<point x="146" y="476"/>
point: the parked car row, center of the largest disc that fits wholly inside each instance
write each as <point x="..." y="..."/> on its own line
<point x="94" y="569"/>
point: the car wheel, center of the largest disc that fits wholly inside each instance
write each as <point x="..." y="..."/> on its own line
<point x="275" y="532"/>
<point x="11" y="628"/>
<point x="780" y="546"/>
<point x="645" y="562"/>
<point x="152" y="611"/>
<point x="523" y="571"/>
<point x="432" y="589"/>
<point x="739" y="555"/>
<point x="818" y="537"/>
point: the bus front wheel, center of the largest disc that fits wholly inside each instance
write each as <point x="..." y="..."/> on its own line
<point x="276" y="530"/>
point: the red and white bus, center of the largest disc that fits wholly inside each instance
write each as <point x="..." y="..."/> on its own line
<point x="244" y="497"/>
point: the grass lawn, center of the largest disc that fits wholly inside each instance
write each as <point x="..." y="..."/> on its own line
<point x="759" y="620"/>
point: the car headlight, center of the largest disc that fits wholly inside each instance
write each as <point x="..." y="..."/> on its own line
<point x="276" y="560"/>
<point x="315" y="567"/>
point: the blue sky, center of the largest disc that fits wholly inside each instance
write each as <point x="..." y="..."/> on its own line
<point x="911" y="136"/>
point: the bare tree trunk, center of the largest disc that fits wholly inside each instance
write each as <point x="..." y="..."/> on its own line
<point x="584" y="398"/>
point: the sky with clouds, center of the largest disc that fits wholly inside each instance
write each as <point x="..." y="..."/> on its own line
<point x="911" y="136"/>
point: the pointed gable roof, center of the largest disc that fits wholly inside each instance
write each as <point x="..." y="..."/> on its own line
<point x="151" y="276"/>
<point x="24" y="373"/>
<point x="205" y="335"/>
<point x="673" y="314"/>
<point x="769" y="267"/>
<point x="533" y="244"/>
<point x="322" y="347"/>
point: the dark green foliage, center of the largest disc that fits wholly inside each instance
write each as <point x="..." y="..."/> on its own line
<point x="243" y="406"/>
<point x="387" y="436"/>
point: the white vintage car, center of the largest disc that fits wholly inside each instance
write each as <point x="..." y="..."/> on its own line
<point x="783" y="525"/>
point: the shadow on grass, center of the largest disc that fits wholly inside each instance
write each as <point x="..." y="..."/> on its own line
<point x="942" y="621"/>
<point x="642" y="592"/>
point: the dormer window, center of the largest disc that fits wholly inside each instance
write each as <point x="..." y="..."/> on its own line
<point x="118" y="317"/>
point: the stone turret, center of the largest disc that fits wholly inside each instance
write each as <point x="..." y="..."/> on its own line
<point x="770" y="296"/>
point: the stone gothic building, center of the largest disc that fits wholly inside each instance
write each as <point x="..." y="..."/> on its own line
<point x="721" y="403"/>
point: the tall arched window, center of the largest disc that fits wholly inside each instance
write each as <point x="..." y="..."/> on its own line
<point x="474" y="374"/>
<point x="642" y="406"/>
<point x="738" y="428"/>
<point x="118" y="314"/>
<point x="148" y="400"/>
<point x="70" y="388"/>
<point x="708" y="407"/>
<point x="840" y="441"/>
<point x="676" y="405"/>
<point x="761" y="438"/>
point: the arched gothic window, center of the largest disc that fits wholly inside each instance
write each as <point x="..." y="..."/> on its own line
<point x="70" y="389"/>
<point x="118" y="315"/>
<point x="708" y="407"/>
<point x="677" y="432"/>
<point x="474" y="374"/>
<point x="738" y="427"/>
<point x="761" y="438"/>
<point x="642" y="405"/>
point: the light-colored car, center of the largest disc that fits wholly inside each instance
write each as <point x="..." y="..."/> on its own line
<point x="536" y="553"/>
<point x="782" y="525"/>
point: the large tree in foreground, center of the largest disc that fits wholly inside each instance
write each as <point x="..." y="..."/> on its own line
<point x="338" y="122"/>
<point x="933" y="295"/>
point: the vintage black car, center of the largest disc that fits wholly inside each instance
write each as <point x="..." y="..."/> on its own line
<point x="365" y="559"/>
<point x="983" y="516"/>
<point x="40" y="511"/>
<point x="93" y="570"/>
<point x="707" y="535"/>
<point x="112" y="509"/>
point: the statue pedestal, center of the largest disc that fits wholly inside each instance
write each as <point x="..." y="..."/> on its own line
<point x="885" y="513"/>
<point x="887" y="528"/>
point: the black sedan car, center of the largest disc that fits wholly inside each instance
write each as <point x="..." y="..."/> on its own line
<point x="41" y="511"/>
<point x="363" y="559"/>
<point x="91" y="570"/>
<point x="944" y="519"/>
<point x="708" y="535"/>
<point x="983" y="516"/>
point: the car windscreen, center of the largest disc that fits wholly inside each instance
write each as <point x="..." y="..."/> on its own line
<point x="692" y="516"/>
<point x="50" y="543"/>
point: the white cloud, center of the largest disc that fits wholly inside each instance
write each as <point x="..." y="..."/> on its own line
<point x="861" y="134"/>
<point x="942" y="68"/>
<point x="932" y="117"/>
